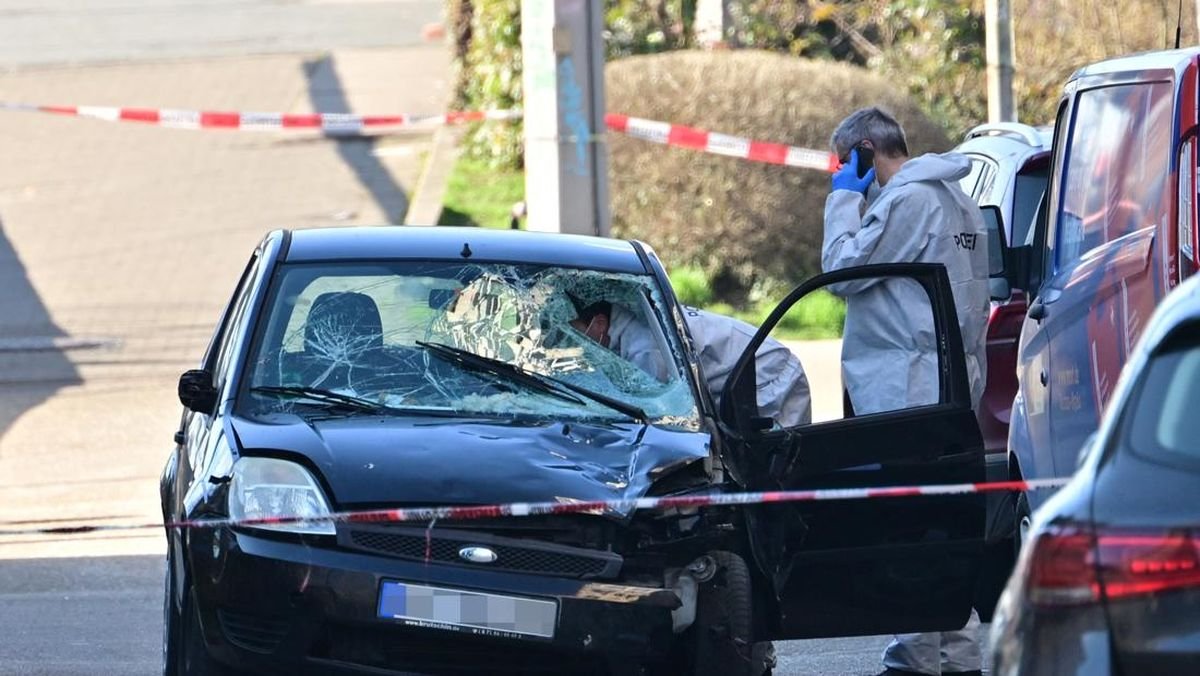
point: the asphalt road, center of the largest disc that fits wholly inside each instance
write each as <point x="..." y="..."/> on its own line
<point x="119" y="245"/>
<point x="101" y="616"/>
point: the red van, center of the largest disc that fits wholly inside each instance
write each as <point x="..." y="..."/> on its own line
<point x="1118" y="232"/>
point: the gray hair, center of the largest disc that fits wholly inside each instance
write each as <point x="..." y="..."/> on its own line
<point x="873" y="124"/>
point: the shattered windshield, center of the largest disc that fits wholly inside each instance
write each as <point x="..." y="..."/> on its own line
<point x="407" y="337"/>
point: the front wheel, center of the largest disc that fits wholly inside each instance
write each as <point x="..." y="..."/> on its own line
<point x="171" y="625"/>
<point x="723" y="633"/>
<point x="1024" y="522"/>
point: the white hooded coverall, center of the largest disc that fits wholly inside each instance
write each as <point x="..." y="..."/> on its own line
<point x="719" y="340"/>
<point x="889" y="351"/>
<point x="782" y="386"/>
<point x="629" y="337"/>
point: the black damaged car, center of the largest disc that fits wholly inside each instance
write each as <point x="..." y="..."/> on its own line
<point x="366" y="368"/>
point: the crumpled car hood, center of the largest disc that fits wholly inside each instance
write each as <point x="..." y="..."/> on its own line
<point x="374" y="462"/>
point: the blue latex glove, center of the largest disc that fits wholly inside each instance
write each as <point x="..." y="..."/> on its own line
<point x="847" y="178"/>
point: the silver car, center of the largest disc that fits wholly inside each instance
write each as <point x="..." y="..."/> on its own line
<point x="1109" y="580"/>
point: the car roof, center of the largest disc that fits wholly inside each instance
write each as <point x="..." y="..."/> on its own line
<point x="459" y="243"/>
<point x="1171" y="59"/>
<point x="1010" y="145"/>
<point x="1007" y="140"/>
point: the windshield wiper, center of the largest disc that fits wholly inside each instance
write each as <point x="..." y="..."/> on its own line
<point x="543" y="383"/>
<point x="322" y="395"/>
<point x="496" y="368"/>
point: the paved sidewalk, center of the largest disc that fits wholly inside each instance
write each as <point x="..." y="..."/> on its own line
<point x="70" y="32"/>
<point x="120" y="244"/>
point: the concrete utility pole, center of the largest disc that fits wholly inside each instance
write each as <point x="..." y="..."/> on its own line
<point x="566" y="162"/>
<point x="998" y="23"/>
<point x="712" y="24"/>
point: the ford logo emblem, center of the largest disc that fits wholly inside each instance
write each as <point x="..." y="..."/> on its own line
<point x="477" y="555"/>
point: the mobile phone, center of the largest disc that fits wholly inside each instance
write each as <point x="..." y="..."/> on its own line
<point x="866" y="159"/>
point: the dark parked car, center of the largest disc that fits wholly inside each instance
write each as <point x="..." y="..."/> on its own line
<point x="1109" y="580"/>
<point x="364" y="368"/>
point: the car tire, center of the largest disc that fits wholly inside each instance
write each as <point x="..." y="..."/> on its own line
<point x="171" y="625"/>
<point x="1023" y="520"/>
<point x="723" y="632"/>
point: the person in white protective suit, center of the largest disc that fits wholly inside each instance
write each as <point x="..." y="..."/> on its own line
<point x="783" y="392"/>
<point x="918" y="214"/>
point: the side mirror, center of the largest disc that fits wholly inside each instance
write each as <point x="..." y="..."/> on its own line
<point x="196" y="391"/>
<point x="997" y="244"/>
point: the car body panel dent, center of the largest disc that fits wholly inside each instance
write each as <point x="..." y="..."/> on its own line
<point x="376" y="461"/>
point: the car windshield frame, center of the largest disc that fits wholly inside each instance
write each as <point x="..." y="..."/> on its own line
<point x="677" y="405"/>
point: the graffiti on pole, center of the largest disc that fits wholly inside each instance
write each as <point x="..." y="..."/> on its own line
<point x="575" y="121"/>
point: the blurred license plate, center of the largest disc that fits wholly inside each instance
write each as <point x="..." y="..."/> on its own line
<point x="471" y="612"/>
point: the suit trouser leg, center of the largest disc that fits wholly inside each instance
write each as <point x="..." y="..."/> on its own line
<point x="935" y="652"/>
<point x="921" y="653"/>
<point x="960" y="649"/>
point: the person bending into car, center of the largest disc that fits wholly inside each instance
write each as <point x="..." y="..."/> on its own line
<point x="783" y="392"/>
<point x="916" y="214"/>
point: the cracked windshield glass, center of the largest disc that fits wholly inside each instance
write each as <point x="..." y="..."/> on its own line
<point x="426" y="337"/>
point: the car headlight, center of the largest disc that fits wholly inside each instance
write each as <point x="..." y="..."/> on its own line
<point x="269" y="487"/>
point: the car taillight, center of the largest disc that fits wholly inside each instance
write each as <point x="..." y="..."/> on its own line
<point x="1062" y="569"/>
<point x="1145" y="563"/>
<point x="1069" y="566"/>
<point x="1005" y="319"/>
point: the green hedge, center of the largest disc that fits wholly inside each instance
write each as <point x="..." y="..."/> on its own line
<point x="492" y="79"/>
<point x="752" y="228"/>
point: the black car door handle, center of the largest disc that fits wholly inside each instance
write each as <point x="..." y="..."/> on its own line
<point x="1037" y="311"/>
<point x="179" y="438"/>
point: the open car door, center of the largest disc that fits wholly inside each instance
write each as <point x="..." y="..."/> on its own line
<point x="874" y="566"/>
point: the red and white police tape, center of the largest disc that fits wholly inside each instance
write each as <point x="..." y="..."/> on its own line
<point x="721" y="144"/>
<point x="664" y="133"/>
<point x="329" y="123"/>
<point x="520" y="509"/>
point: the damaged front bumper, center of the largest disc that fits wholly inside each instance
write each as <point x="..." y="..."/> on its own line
<point x="272" y="604"/>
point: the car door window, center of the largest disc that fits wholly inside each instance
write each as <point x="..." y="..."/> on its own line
<point x="231" y="331"/>
<point x="1043" y="236"/>
<point x="1118" y="170"/>
<point x="847" y="356"/>
<point x="979" y="181"/>
<point x="1162" y="424"/>
<point x="1029" y="190"/>
<point x="840" y="567"/>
